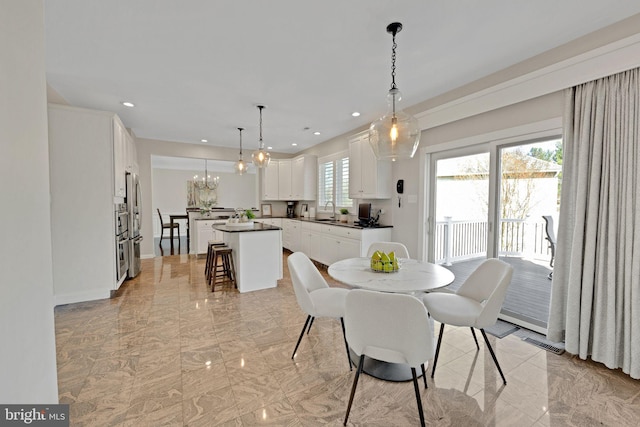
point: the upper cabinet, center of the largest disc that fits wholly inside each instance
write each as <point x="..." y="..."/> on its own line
<point x="304" y="176"/>
<point x="285" y="180"/>
<point x="120" y="154"/>
<point x="290" y="179"/>
<point x="270" y="181"/>
<point x="132" y="154"/>
<point x="369" y="178"/>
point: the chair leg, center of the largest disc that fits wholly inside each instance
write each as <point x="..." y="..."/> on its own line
<point x="424" y="375"/>
<point x="353" y="388"/>
<point x="495" y="360"/>
<point x="301" y="335"/>
<point x="474" y="338"/>
<point x="435" y="359"/>
<point x="417" y="389"/>
<point x="346" y="345"/>
<point x="309" y="330"/>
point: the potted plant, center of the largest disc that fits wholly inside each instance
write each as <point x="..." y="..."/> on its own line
<point x="249" y="214"/>
<point x="344" y="215"/>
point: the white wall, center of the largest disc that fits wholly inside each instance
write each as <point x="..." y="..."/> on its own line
<point x="27" y="356"/>
<point x="170" y="192"/>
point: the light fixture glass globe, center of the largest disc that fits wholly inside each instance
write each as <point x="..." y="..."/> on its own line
<point x="261" y="158"/>
<point x="395" y="135"/>
<point x="240" y="167"/>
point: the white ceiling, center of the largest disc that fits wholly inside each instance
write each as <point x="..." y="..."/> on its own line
<point x="197" y="68"/>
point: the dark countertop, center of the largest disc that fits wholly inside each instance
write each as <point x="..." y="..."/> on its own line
<point x="257" y="226"/>
<point x="335" y="222"/>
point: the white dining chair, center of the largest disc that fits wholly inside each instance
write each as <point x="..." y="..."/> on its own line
<point x="475" y="304"/>
<point x="393" y="328"/>
<point x="314" y="295"/>
<point x="400" y="250"/>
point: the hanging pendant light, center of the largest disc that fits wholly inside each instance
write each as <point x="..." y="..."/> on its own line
<point x="395" y="135"/>
<point x="206" y="182"/>
<point x="260" y="157"/>
<point x="240" y="166"/>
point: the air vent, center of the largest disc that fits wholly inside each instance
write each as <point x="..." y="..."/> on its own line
<point x="544" y="346"/>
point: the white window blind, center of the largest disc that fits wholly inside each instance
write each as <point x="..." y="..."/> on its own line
<point x="333" y="180"/>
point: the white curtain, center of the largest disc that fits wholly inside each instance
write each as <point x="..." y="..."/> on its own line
<point x="595" y="302"/>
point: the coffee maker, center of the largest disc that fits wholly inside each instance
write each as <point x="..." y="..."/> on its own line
<point x="291" y="209"/>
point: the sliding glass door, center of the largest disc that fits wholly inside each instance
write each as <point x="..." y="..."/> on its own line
<point x="490" y="201"/>
<point x="461" y="194"/>
<point x="530" y="179"/>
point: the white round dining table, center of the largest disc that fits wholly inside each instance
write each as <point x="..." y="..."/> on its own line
<point x="412" y="276"/>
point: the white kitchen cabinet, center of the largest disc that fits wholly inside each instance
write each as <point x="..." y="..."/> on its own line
<point x="339" y="243"/>
<point x="285" y="180"/>
<point x="84" y="186"/>
<point x="291" y="179"/>
<point x="310" y="239"/>
<point x="276" y="222"/>
<point x="291" y="234"/>
<point x="205" y="233"/>
<point x="270" y="181"/>
<point x="132" y="154"/>
<point x="338" y="248"/>
<point x="304" y="177"/>
<point x="328" y="243"/>
<point x="119" y="157"/>
<point x="369" y="178"/>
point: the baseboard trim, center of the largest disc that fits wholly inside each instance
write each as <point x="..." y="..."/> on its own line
<point x="92" y="295"/>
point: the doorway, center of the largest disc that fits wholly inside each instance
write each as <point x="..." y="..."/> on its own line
<point x="489" y="202"/>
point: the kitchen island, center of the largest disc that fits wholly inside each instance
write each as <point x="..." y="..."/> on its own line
<point x="257" y="254"/>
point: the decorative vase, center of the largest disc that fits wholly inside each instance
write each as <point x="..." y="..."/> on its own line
<point x="344" y="218"/>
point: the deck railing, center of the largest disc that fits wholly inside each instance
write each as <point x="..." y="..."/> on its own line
<point x="460" y="240"/>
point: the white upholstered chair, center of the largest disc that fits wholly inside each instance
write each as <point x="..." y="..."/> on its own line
<point x="386" y="247"/>
<point x="393" y="328"/>
<point x="314" y="295"/>
<point x="476" y="304"/>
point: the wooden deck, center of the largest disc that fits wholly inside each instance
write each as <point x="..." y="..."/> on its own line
<point x="529" y="294"/>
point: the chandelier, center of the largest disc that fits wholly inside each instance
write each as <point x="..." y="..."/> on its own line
<point x="206" y="182"/>
<point x="260" y="157"/>
<point x="395" y="135"/>
<point x="240" y="166"/>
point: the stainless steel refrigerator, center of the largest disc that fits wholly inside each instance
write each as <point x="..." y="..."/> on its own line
<point x="133" y="200"/>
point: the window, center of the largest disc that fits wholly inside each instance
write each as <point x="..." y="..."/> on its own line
<point x="333" y="180"/>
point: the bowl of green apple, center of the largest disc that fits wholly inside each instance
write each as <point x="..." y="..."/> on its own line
<point x="384" y="263"/>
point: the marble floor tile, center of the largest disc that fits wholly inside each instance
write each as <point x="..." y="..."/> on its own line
<point x="165" y="351"/>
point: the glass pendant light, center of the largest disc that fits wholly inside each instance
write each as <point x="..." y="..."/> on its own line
<point x="206" y="182"/>
<point x="240" y="166"/>
<point x="395" y="135"/>
<point x="260" y="157"/>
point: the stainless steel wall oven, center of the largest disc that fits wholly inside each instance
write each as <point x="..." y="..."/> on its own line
<point x="122" y="240"/>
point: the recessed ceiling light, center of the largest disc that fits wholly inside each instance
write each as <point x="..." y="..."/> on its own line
<point x="355" y="114"/>
<point x="316" y="133"/>
<point x="269" y="148"/>
<point x="204" y="140"/>
<point x="128" y="104"/>
<point x="294" y="144"/>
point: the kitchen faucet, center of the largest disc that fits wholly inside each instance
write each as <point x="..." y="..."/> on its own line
<point x="334" y="208"/>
